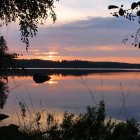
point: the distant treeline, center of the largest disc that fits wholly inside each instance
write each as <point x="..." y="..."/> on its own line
<point x="37" y="63"/>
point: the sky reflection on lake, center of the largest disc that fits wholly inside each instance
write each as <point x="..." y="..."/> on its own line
<point x="67" y="93"/>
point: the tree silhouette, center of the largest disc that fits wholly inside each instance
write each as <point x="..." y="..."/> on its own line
<point x="7" y="60"/>
<point x="29" y="13"/>
<point x="132" y="14"/>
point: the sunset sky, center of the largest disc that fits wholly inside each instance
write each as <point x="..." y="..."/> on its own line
<point x="84" y="30"/>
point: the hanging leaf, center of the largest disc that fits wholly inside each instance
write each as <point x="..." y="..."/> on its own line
<point x="138" y="13"/>
<point x="115" y="15"/>
<point x="121" y="12"/>
<point x="138" y="3"/>
<point x="134" y="5"/>
<point x="112" y="7"/>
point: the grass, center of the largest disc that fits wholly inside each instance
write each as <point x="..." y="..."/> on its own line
<point x="91" y="125"/>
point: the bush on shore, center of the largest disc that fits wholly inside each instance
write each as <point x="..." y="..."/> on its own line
<point x="91" y="125"/>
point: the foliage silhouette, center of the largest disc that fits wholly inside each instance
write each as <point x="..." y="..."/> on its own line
<point x="91" y="125"/>
<point x="7" y="60"/>
<point x="29" y="13"/>
<point x="132" y="14"/>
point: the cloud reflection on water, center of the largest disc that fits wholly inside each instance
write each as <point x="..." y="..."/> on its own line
<point x="67" y="93"/>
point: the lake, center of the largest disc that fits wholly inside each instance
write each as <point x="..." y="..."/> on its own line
<point x="74" y="91"/>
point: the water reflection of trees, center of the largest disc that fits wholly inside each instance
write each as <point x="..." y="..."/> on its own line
<point x="63" y="72"/>
<point x="3" y="93"/>
<point x="7" y="61"/>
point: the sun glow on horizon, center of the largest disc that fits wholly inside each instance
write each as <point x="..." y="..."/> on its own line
<point x="50" y="53"/>
<point x="85" y="58"/>
<point x="106" y="53"/>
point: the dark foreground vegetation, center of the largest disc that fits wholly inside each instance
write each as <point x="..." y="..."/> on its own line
<point x="91" y="125"/>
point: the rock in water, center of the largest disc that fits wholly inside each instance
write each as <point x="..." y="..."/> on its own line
<point x="40" y="78"/>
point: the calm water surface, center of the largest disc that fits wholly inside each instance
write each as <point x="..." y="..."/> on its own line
<point x="71" y="93"/>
